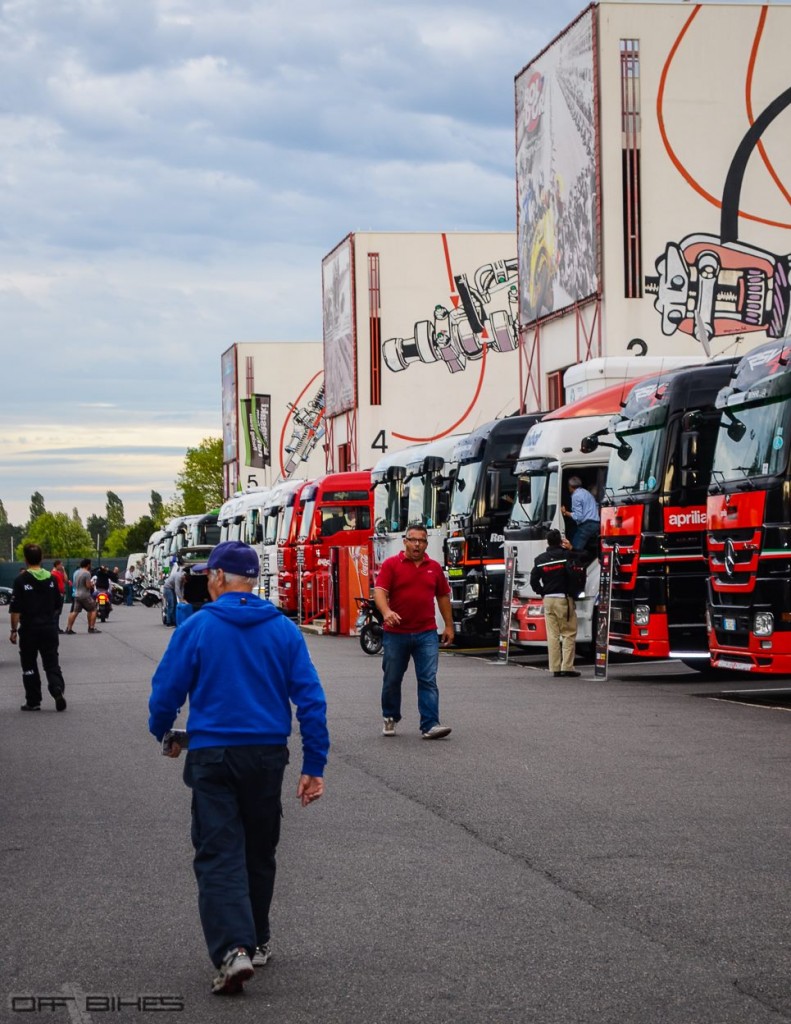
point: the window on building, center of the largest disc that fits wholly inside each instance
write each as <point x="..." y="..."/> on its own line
<point x="555" y="396"/>
<point x="344" y="458"/>
<point x="630" y="167"/>
<point x="375" y="328"/>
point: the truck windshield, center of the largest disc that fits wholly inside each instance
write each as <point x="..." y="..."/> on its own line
<point x="285" y="522"/>
<point x="636" y="465"/>
<point x="543" y="502"/>
<point x="752" y="440"/>
<point x="387" y="506"/>
<point x="271" y="523"/>
<point x="464" y="488"/>
<point x="307" y="519"/>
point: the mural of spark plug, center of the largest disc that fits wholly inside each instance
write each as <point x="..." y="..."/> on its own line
<point x="306" y="432"/>
<point x="457" y="335"/>
<point x="709" y="287"/>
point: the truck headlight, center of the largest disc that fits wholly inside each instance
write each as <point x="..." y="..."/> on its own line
<point x="763" y="624"/>
<point x="642" y="613"/>
<point x="471" y="591"/>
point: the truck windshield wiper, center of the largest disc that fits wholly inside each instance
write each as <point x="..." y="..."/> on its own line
<point x="747" y="484"/>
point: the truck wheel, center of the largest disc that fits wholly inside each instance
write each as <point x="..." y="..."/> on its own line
<point x="371" y="638"/>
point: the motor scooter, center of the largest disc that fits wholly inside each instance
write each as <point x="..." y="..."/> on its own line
<point x="104" y="605"/>
<point x="369" y="623"/>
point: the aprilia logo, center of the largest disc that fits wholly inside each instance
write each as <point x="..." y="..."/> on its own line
<point x="691" y="519"/>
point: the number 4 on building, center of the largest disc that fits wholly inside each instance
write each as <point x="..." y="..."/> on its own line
<point x="380" y="441"/>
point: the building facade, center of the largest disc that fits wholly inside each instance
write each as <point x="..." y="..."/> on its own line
<point x="272" y="413"/>
<point x="653" y="187"/>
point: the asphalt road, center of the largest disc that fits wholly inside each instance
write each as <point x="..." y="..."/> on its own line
<point x="575" y="852"/>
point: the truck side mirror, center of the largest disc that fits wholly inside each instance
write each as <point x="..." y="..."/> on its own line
<point x="524" y="490"/>
<point x="690" y="449"/>
<point x="589" y="444"/>
<point x="443" y="507"/>
<point x="494" y="487"/>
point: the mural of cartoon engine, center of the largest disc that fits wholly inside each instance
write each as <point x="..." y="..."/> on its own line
<point x="708" y="286"/>
<point x="455" y="335"/>
<point x="306" y="432"/>
<point x="730" y="287"/>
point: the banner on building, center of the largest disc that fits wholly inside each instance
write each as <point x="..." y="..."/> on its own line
<point x="256" y="419"/>
<point x="556" y="175"/>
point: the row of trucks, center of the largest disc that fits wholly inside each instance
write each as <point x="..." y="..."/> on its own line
<point x="693" y="473"/>
<point x="688" y="459"/>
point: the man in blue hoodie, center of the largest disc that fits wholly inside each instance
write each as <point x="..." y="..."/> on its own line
<point x="242" y="664"/>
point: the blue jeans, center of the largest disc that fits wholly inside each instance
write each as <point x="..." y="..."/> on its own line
<point x="170" y="606"/>
<point x="423" y="648"/>
<point x="236" y="811"/>
<point x="583" y="533"/>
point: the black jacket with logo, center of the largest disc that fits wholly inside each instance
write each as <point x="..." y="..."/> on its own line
<point x="36" y="601"/>
<point x="549" y="577"/>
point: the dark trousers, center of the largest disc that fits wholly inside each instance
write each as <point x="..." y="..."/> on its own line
<point x="236" y="811"/>
<point x="34" y="641"/>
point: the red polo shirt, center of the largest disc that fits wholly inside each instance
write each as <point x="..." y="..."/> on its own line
<point x="411" y="589"/>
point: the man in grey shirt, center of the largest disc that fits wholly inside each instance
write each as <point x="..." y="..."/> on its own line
<point x="83" y="598"/>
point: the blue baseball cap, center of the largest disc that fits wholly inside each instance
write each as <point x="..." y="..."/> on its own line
<point x="231" y="556"/>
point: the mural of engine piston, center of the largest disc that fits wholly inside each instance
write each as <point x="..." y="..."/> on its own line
<point x="306" y="432"/>
<point x="730" y="288"/>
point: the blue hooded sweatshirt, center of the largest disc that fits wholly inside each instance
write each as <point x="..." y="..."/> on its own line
<point x="242" y="664"/>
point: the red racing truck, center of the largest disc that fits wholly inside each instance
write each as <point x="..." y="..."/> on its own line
<point x="653" y="516"/>
<point x="337" y="511"/>
<point x="749" y="516"/>
<point x="287" y="578"/>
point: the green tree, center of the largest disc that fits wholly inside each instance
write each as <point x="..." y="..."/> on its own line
<point x="116" y="544"/>
<point x="9" y="536"/>
<point x="114" y="513"/>
<point x="97" y="527"/>
<point x="199" y="485"/>
<point x="156" y="508"/>
<point x="36" y="507"/>
<point x="59" y="536"/>
<point x="138" y="533"/>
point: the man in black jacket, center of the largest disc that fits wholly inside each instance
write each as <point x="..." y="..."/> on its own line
<point x="550" y="579"/>
<point x="34" y="600"/>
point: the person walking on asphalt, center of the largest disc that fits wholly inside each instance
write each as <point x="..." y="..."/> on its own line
<point x="34" y="600"/>
<point x="242" y="664"/>
<point x="550" y="578"/>
<point x="83" y="598"/>
<point x="405" y="590"/>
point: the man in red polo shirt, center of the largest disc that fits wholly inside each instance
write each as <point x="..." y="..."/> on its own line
<point x="405" y="591"/>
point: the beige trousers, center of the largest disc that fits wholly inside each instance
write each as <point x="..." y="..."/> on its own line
<point x="560" y="615"/>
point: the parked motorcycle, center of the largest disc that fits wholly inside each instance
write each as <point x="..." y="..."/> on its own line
<point x="369" y="623"/>
<point x="151" y="596"/>
<point x="104" y="605"/>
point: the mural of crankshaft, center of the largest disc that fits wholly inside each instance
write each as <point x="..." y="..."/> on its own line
<point x="460" y="334"/>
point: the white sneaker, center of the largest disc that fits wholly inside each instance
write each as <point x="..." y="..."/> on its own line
<point x="388" y="729"/>
<point x="235" y="970"/>
<point x="262" y="955"/>
<point x="437" y="732"/>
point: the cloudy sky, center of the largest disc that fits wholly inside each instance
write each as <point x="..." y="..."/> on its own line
<point x="173" y="172"/>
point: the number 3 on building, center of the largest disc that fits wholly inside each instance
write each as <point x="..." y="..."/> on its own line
<point x="380" y="442"/>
